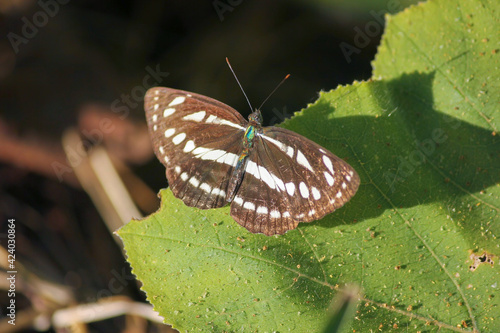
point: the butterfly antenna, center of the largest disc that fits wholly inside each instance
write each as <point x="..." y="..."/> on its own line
<point x="286" y="77"/>
<point x="231" y="68"/>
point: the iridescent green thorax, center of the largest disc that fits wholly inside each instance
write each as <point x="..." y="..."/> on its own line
<point x="249" y="136"/>
<point x="254" y="126"/>
<point x="247" y="145"/>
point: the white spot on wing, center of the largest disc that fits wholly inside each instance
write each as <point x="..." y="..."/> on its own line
<point x="219" y="192"/>
<point x="228" y="123"/>
<point x="348" y="178"/>
<point x="344" y="186"/>
<point x="179" y="138"/>
<point x="189" y="146"/>
<point x="169" y="132"/>
<point x="166" y="159"/>
<point x="328" y="164"/>
<point x="156" y="106"/>
<point x="161" y="150"/>
<point x="329" y="179"/>
<point x="184" y="176"/>
<point x="213" y="155"/>
<point x="266" y="177"/>
<point x="205" y="187"/>
<point x="195" y="182"/>
<point x="290" y="188"/>
<point x="228" y="158"/>
<point x="275" y="142"/>
<point x="197" y="116"/>
<point x="177" y="100"/>
<point x="155" y="117"/>
<point x="278" y="182"/>
<point x="304" y="192"/>
<point x="316" y="193"/>
<point x="253" y="169"/>
<point x="238" y="200"/>
<point x="286" y="214"/>
<point x="339" y="194"/>
<point x="211" y="119"/>
<point x="178" y="170"/>
<point x="275" y="214"/>
<point x="168" y="112"/>
<point x="302" y="160"/>
<point x="217" y="155"/>
<point x="283" y="147"/>
<point x="249" y="205"/>
<point x="200" y="151"/>
<point x="262" y="173"/>
<point x="155" y="127"/>
<point x="262" y="210"/>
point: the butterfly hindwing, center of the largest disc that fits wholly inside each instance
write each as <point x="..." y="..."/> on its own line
<point x="198" y="140"/>
<point x="290" y="179"/>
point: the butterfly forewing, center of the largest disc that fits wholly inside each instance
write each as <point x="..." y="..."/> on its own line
<point x="198" y="139"/>
<point x="290" y="179"/>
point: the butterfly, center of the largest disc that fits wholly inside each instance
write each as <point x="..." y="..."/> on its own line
<point x="273" y="178"/>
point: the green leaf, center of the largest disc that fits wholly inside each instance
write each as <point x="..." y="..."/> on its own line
<point x="343" y="309"/>
<point x="423" y="138"/>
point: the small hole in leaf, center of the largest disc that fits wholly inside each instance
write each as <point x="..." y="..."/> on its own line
<point x="484" y="258"/>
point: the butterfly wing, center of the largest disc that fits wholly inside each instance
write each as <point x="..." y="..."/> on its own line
<point x="290" y="179"/>
<point x="198" y="139"/>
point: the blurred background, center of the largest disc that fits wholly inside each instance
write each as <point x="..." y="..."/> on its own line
<point x="75" y="158"/>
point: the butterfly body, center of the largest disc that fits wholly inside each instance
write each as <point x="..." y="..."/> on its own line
<point x="254" y="127"/>
<point x="272" y="177"/>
